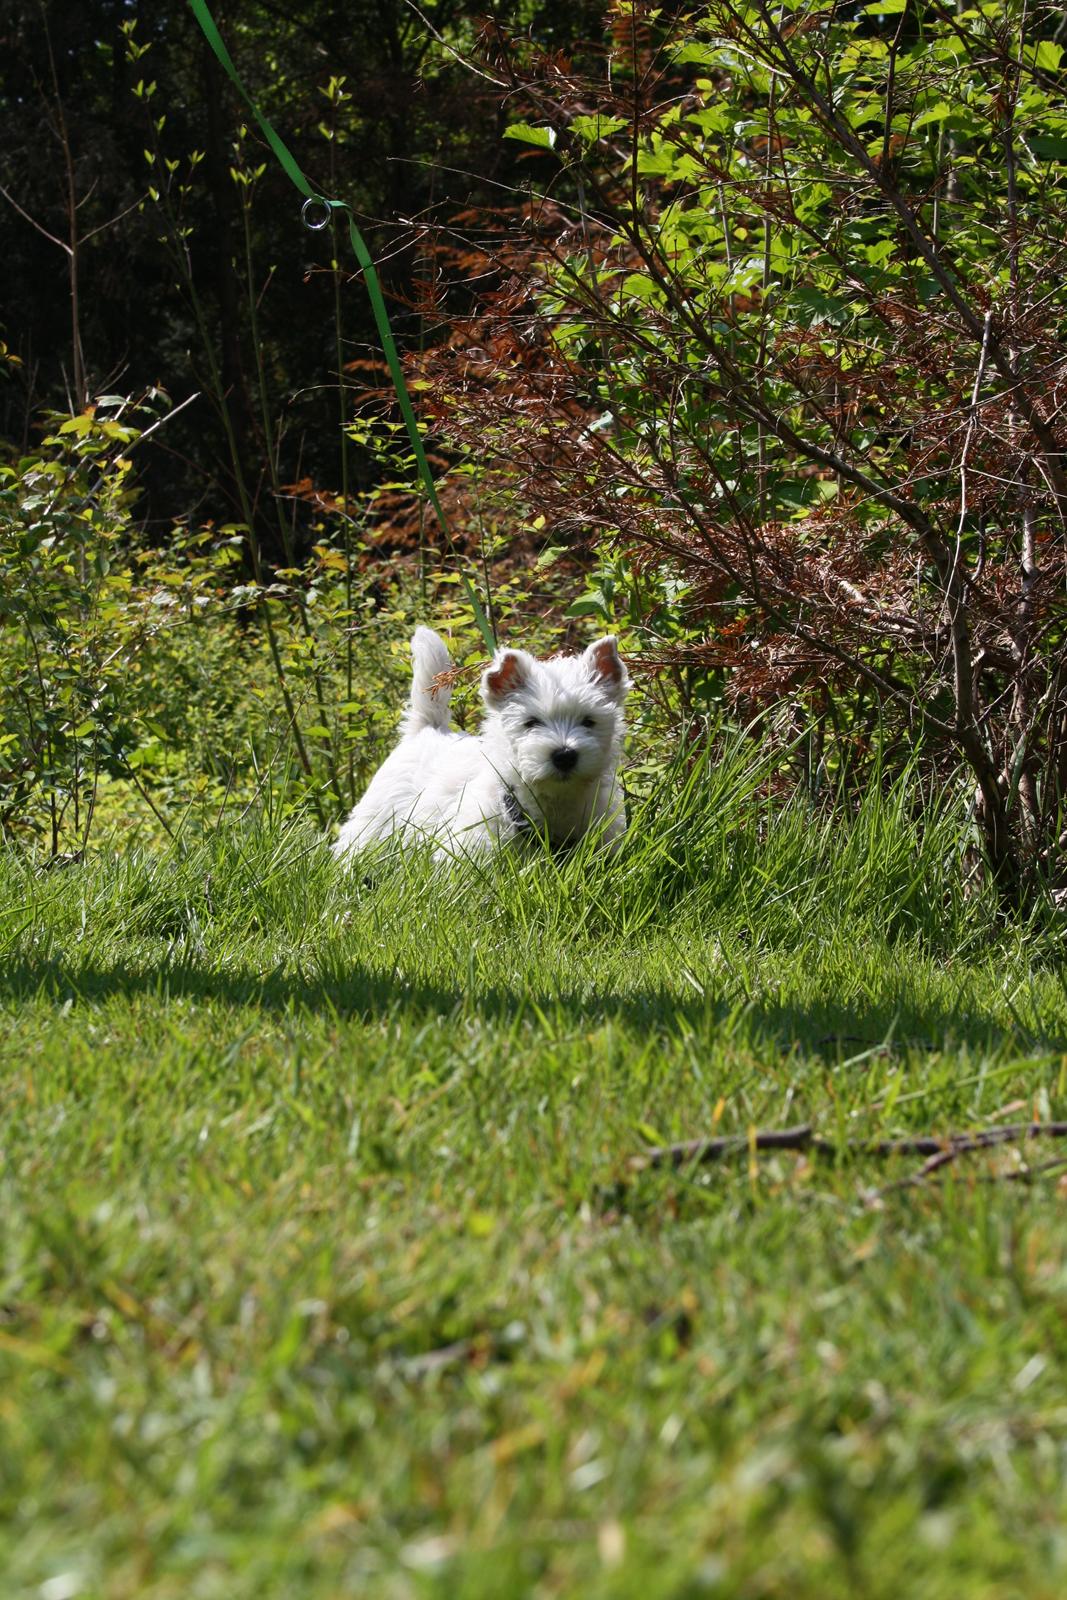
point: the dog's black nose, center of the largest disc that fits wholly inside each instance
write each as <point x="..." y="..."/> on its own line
<point x="564" y="760"/>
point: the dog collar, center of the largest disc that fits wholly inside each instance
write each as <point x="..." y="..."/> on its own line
<point x="513" y="809"/>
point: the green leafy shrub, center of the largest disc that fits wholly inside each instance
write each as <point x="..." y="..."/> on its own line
<point x="67" y="630"/>
<point x="136" y="681"/>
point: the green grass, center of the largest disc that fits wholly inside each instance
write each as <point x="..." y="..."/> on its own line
<point x="324" y="1271"/>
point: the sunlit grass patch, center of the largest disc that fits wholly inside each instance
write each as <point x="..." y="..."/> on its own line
<point x="326" y="1267"/>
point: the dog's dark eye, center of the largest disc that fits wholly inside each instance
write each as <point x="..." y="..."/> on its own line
<point x="588" y="722"/>
<point x="533" y="722"/>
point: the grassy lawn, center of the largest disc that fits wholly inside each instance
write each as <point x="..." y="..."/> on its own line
<point x="325" y="1271"/>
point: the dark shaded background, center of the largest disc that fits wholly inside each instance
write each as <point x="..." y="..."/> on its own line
<point x="419" y="137"/>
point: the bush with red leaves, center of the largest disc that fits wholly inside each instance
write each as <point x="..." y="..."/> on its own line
<point x="784" y="317"/>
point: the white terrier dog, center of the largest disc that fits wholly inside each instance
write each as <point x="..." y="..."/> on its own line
<point x="544" y="759"/>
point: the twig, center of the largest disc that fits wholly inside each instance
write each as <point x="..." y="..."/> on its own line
<point x="464" y="61"/>
<point x="141" y="437"/>
<point x="939" y="1147"/>
<point x="971" y="422"/>
<point x="35" y="224"/>
<point x="147" y="798"/>
<point x="111" y="221"/>
<point x="1023" y="1174"/>
<point x="429" y="1361"/>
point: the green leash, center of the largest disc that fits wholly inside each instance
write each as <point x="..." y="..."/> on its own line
<point x="313" y="199"/>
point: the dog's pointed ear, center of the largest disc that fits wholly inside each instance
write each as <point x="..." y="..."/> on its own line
<point x="606" y="667"/>
<point x="508" y="675"/>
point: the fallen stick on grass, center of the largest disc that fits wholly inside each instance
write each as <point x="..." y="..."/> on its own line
<point x="1024" y="1174"/>
<point x="942" y="1148"/>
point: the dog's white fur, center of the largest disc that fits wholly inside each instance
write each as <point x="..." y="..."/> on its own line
<point x="545" y="757"/>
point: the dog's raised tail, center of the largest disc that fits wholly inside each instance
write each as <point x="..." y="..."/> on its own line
<point x="427" y="708"/>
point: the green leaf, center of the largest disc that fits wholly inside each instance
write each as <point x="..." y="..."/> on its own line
<point x="710" y="119"/>
<point x="878" y="254"/>
<point x="544" y="138"/>
<point x="1046" y="55"/>
<point x="638" y="286"/>
<point x="593" y="128"/>
<point x="939" y="112"/>
<point x="650" y="1134"/>
<point x="595" y="604"/>
<point x="703" y="54"/>
<point x="822" y="307"/>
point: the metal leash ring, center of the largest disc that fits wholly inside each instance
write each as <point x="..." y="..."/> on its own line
<point x="315" y="224"/>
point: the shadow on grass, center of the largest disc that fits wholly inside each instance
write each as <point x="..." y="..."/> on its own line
<point x="899" y="1018"/>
